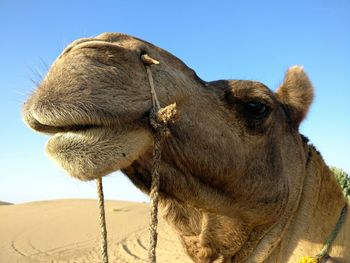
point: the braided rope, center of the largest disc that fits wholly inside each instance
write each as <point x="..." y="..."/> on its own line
<point x="327" y="245"/>
<point x="157" y="152"/>
<point x="154" y="196"/>
<point x="104" y="251"/>
<point x="159" y="119"/>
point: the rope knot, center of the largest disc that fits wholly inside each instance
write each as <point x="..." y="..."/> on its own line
<point x="163" y="118"/>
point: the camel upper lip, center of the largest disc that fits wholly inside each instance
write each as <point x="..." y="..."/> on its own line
<point x="53" y="128"/>
<point x="49" y="129"/>
<point x="71" y="128"/>
<point x="76" y="124"/>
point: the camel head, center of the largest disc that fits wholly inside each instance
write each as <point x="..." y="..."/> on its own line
<point x="235" y="144"/>
<point x="95" y="101"/>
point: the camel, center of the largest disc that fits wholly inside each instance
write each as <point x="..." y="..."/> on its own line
<point x="238" y="183"/>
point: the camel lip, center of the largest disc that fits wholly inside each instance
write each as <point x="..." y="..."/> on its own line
<point x="50" y="123"/>
<point x="51" y="128"/>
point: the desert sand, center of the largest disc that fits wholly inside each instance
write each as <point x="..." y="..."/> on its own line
<point x="68" y="231"/>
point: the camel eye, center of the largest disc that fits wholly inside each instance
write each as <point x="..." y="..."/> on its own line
<point x="256" y="109"/>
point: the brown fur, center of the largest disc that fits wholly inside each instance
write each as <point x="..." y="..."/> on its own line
<point x="238" y="186"/>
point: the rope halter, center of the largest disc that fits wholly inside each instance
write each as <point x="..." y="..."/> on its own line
<point x="160" y="119"/>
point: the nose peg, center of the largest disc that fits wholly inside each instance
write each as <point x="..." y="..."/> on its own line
<point x="147" y="60"/>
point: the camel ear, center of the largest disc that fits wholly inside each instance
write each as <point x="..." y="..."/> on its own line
<point x="296" y="94"/>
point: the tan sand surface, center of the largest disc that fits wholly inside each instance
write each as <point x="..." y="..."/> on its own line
<point x="68" y="231"/>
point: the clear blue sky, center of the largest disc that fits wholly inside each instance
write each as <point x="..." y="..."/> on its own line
<point x="219" y="39"/>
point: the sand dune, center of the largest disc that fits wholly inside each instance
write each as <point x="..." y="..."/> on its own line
<point x="68" y="231"/>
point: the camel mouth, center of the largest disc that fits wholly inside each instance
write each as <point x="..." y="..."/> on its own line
<point x="77" y="128"/>
<point x="88" y="149"/>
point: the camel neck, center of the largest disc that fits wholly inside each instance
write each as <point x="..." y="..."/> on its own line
<point x="316" y="216"/>
<point x="307" y="226"/>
